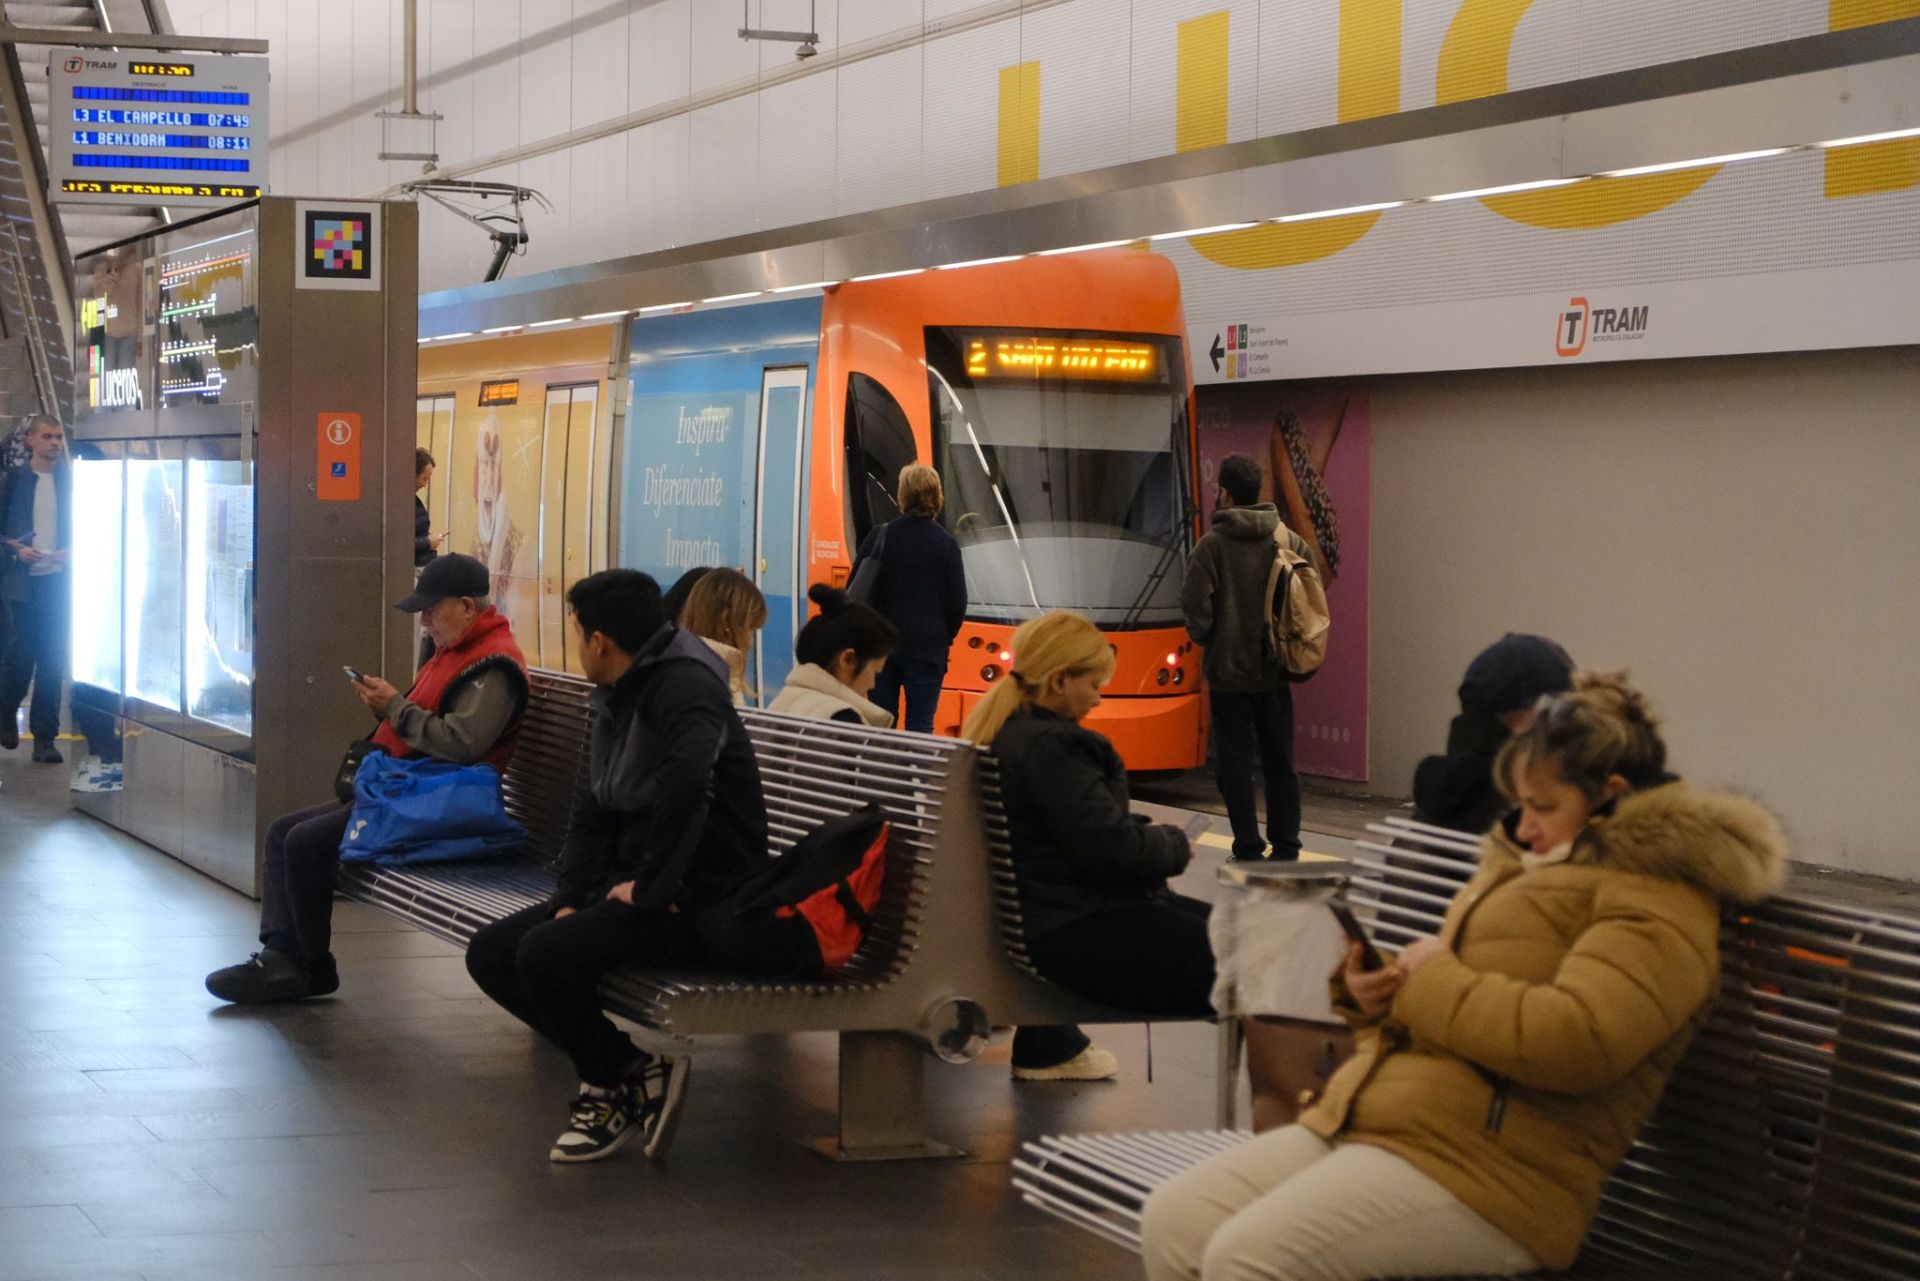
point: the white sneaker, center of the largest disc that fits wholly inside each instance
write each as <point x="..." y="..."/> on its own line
<point x="1091" y="1064"/>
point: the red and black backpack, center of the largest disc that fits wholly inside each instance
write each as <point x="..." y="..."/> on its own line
<point x="807" y="911"/>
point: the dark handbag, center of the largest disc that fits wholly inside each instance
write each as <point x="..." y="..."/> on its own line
<point x="357" y="751"/>
<point x="866" y="579"/>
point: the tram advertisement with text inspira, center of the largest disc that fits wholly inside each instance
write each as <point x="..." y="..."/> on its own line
<point x="1052" y="395"/>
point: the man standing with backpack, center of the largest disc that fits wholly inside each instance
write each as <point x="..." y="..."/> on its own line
<point x="672" y="820"/>
<point x="1229" y="607"/>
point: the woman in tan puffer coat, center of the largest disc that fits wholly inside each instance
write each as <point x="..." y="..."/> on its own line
<point x="1503" y="1068"/>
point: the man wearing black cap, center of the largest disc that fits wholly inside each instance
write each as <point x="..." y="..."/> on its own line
<point x="1497" y="696"/>
<point x="464" y="707"/>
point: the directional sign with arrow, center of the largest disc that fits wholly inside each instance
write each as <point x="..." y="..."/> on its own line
<point x="1216" y="351"/>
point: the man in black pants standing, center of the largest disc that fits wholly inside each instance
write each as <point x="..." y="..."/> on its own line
<point x="36" y="540"/>
<point x="671" y="821"/>
<point x="1225" y="600"/>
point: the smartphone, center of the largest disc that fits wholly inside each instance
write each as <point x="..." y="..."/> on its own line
<point x="1197" y="826"/>
<point x="1370" y="958"/>
<point x="353" y="674"/>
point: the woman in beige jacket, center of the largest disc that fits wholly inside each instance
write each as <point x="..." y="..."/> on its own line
<point x="1503" y="1068"/>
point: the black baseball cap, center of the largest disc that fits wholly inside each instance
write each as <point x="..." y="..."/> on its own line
<point x="445" y="578"/>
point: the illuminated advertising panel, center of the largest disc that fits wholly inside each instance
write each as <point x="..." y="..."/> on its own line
<point x="191" y="130"/>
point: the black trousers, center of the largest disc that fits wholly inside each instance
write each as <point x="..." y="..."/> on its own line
<point x="1243" y="725"/>
<point x="296" y="888"/>
<point x="36" y="654"/>
<point x="1151" y="957"/>
<point x="546" y="972"/>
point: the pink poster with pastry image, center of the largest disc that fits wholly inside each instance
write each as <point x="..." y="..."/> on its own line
<point x="1315" y="446"/>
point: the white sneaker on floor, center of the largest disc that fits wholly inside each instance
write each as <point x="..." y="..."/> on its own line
<point x="1091" y="1064"/>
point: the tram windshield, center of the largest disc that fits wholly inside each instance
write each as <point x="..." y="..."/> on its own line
<point x="1064" y="455"/>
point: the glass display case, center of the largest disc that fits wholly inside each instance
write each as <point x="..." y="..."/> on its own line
<point x="219" y="593"/>
<point x="153" y="585"/>
<point x="99" y="489"/>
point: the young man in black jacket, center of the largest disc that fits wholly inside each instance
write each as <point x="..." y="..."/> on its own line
<point x="672" y="820"/>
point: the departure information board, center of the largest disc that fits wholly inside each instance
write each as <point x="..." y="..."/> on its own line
<point x="186" y="129"/>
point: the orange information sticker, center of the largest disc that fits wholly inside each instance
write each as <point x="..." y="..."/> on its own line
<point x="337" y="470"/>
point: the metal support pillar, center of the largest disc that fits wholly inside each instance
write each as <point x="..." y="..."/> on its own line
<point x="882" y="1103"/>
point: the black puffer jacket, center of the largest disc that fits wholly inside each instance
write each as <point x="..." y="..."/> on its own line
<point x="1076" y="849"/>
<point x="674" y="802"/>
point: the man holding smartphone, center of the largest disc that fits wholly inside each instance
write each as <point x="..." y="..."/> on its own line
<point x="464" y="708"/>
<point x="36" y="535"/>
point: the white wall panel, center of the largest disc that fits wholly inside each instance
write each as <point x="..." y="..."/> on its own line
<point x="797" y="153"/>
<point x="1299" y="77"/>
<point x="961" y="146"/>
<point x="1155" y="65"/>
<point x="719" y="56"/>
<point x="372" y="76"/>
<point x="863" y="19"/>
<point x="725" y="169"/>
<point x="659" y="184"/>
<point x="1084" y="51"/>
<point x="877" y="153"/>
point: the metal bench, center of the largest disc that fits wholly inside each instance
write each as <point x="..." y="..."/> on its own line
<point x="1787" y="1145"/>
<point x="931" y="975"/>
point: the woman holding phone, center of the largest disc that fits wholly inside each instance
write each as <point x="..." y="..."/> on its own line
<point x="1504" y="1067"/>
<point x="1092" y="877"/>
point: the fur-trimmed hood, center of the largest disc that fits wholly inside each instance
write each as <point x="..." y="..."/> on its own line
<point x="1727" y="845"/>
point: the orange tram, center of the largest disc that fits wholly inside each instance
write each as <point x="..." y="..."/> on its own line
<point x="1052" y="394"/>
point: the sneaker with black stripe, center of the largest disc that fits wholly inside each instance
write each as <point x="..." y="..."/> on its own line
<point x="602" y="1120"/>
<point x="658" y="1088"/>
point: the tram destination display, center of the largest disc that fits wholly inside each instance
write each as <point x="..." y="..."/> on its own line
<point x="178" y="130"/>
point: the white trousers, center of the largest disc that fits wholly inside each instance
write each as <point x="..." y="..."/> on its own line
<point x="1288" y="1206"/>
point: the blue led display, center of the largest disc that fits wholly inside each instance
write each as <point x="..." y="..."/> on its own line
<point x="177" y="141"/>
<point x="214" y="164"/>
<point x="202" y="97"/>
<point x="190" y="119"/>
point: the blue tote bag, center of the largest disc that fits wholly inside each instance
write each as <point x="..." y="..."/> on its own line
<point x="426" y="811"/>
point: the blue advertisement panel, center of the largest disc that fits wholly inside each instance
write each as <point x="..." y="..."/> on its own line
<point x="690" y="474"/>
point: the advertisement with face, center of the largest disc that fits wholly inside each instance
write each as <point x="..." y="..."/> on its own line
<point x="506" y="500"/>
<point x="1315" y="446"/>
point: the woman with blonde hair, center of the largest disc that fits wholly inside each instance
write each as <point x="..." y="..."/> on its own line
<point x="1092" y="877"/>
<point x="1504" y="1067"/>
<point x="922" y="591"/>
<point x="725" y="610"/>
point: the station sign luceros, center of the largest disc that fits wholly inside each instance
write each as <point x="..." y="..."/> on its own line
<point x="156" y="129"/>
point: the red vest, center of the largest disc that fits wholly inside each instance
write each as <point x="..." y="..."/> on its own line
<point x="489" y="640"/>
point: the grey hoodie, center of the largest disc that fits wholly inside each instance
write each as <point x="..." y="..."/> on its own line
<point x="1224" y="598"/>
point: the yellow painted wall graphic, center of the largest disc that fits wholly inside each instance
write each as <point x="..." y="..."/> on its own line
<point x="1474" y="59"/>
<point x="1369" y="86"/>
<point x="1019" y="123"/>
<point x="1200" y="83"/>
<point x="1873" y="167"/>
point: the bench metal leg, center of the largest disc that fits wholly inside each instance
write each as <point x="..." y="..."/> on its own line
<point x="882" y="1112"/>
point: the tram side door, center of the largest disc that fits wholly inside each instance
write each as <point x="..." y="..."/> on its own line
<point x="567" y="468"/>
<point x="778" y="556"/>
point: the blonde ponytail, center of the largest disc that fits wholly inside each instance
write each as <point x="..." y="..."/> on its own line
<point x="1056" y="643"/>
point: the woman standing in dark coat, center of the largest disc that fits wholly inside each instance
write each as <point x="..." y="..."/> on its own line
<point x="922" y="591"/>
<point x="426" y="543"/>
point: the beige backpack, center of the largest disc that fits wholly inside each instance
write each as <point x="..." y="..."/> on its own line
<point x="1297" y="616"/>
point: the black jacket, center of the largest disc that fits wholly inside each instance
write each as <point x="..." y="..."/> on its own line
<point x="17" y="486"/>
<point x="923" y="587"/>
<point x="1225" y="600"/>
<point x="674" y="803"/>
<point x="1455" y="789"/>
<point x="1077" y="850"/>
<point x="422" y="534"/>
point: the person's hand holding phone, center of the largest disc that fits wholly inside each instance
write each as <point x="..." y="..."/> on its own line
<point x="375" y="693"/>
<point x="1372" y="989"/>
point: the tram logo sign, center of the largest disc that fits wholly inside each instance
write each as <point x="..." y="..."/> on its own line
<point x="1580" y="322"/>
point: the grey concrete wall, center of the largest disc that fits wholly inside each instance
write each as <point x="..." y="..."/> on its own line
<point x="1743" y="534"/>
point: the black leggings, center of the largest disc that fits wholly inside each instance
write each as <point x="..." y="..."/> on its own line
<point x="1151" y="957"/>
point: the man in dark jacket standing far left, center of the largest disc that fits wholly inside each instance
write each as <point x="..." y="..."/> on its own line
<point x="672" y="819"/>
<point x="36" y="538"/>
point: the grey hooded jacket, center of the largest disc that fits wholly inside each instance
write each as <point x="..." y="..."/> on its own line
<point x="1224" y="598"/>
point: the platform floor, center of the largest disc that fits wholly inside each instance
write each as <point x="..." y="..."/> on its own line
<point x="399" y="1130"/>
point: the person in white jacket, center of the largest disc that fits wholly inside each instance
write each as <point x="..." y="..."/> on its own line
<point x="837" y="657"/>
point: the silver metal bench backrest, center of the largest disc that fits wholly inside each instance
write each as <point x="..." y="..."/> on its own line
<point x="1791" y="1130"/>
<point x="549" y="764"/>
<point x="1006" y="887"/>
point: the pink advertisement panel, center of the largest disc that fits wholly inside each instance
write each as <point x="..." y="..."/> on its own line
<point x="1315" y="444"/>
